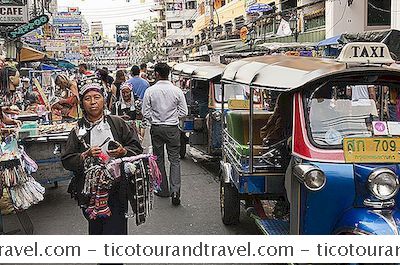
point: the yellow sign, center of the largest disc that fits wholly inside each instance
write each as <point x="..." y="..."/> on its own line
<point x="243" y="33"/>
<point x="238" y="104"/>
<point x="371" y="150"/>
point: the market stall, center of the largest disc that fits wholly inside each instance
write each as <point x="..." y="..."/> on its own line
<point x="44" y="144"/>
<point x="29" y="54"/>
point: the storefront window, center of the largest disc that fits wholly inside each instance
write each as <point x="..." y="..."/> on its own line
<point x="288" y="4"/>
<point x="314" y="22"/>
<point x="379" y="13"/>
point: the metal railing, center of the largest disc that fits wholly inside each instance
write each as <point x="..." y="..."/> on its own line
<point x="269" y="158"/>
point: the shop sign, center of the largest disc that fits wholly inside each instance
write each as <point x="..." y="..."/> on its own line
<point x="54" y="45"/>
<point x="176" y="25"/>
<point x="13" y="14"/>
<point x="243" y="33"/>
<point x="68" y="30"/>
<point x="33" y="24"/>
<point x="215" y="58"/>
<point x="63" y="18"/>
<point x="73" y="9"/>
<point x="203" y="50"/>
<point x="122" y="33"/>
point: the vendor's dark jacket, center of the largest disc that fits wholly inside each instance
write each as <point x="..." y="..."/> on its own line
<point x="71" y="157"/>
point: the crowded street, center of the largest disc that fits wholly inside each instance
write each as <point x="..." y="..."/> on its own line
<point x="231" y="131"/>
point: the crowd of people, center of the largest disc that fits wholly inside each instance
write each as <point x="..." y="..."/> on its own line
<point x="112" y="115"/>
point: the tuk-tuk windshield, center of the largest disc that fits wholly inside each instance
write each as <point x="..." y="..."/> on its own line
<point x="234" y="91"/>
<point x="340" y="111"/>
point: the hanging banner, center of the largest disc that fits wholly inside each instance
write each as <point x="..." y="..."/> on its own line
<point x="13" y="14"/>
<point x="284" y="29"/>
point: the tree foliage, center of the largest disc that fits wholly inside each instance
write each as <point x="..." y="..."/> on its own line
<point x="144" y="33"/>
<point x="144" y="37"/>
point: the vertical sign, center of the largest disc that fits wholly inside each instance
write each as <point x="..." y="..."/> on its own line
<point x="122" y="33"/>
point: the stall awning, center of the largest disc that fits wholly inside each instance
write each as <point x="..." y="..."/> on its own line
<point x="330" y="41"/>
<point x="48" y="67"/>
<point x="29" y="54"/>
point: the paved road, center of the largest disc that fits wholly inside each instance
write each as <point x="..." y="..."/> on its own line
<point x="198" y="213"/>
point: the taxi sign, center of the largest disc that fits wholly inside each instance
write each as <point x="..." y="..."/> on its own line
<point x="371" y="150"/>
<point x="365" y="52"/>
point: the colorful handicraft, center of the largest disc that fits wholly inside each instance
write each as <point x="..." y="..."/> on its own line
<point x="15" y="175"/>
<point x="143" y="178"/>
<point x="98" y="182"/>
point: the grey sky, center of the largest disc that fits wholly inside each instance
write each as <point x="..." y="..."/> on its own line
<point x="111" y="12"/>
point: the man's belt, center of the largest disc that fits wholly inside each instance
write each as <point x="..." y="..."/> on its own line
<point x="164" y="125"/>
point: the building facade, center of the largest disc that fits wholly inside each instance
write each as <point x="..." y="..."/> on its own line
<point x="179" y="18"/>
<point x="361" y="15"/>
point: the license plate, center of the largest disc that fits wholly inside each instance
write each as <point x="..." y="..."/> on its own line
<point x="371" y="150"/>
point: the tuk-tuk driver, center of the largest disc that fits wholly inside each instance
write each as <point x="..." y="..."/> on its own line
<point x="279" y="124"/>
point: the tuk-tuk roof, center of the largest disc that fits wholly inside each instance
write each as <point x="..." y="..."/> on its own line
<point x="280" y="72"/>
<point x="199" y="69"/>
<point x="288" y="73"/>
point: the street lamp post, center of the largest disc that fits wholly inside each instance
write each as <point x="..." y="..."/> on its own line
<point x="18" y="45"/>
<point x="293" y="26"/>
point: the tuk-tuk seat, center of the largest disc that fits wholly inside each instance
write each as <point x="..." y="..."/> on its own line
<point x="238" y="126"/>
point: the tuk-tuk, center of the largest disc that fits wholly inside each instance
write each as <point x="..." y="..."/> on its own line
<point x="337" y="161"/>
<point x="200" y="82"/>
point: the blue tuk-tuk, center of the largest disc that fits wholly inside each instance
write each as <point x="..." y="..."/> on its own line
<point x="200" y="82"/>
<point x="330" y="150"/>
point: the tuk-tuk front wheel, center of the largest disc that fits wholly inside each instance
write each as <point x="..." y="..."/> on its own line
<point x="229" y="203"/>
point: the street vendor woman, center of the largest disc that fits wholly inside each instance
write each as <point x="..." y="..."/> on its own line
<point x="67" y="105"/>
<point x="89" y="143"/>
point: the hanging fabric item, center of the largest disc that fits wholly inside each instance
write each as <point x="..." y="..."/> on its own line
<point x="143" y="178"/>
<point x="98" y="182"/>
<point x="15" y="169"/>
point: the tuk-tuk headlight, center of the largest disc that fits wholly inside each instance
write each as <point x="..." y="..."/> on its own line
<point x="383" y="183"/>
<point x="312" y="177"/>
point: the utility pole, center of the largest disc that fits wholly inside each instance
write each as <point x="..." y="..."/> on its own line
<point x="34" y="8"/>
<point x="211" y="18"/>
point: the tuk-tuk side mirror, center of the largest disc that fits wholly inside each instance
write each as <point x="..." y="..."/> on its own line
<point x="312" y="177"/>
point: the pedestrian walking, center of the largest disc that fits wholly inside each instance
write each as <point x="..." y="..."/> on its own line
<point x="120" y="78"/>
<point x="143" y="71"/>
<point x="110" y="97"/>
<point x="99" y="137"/>
<point x="139" y="84"/>
<point x="163" y="105"/>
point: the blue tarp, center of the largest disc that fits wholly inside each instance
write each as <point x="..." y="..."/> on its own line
<point x="48" y="67"/>
<point x="330" y="41"/>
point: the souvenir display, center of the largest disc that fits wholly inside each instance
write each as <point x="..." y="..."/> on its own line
<point x="15" y="175"/>
<point x="143" y="177"/>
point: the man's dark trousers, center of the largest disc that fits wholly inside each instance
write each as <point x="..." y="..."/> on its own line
<point x="168" y="135"/>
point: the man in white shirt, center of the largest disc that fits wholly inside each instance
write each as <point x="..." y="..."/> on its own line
<point x="163" y="105"/>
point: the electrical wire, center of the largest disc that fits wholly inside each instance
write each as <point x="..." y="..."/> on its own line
<point x="337" y="22"/>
